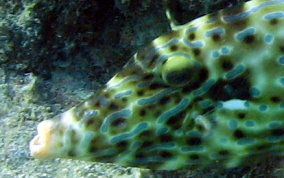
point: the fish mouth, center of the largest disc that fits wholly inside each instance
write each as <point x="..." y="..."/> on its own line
<point x="39" y="145"/>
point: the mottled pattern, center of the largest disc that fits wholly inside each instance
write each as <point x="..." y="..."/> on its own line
<point x="208" y="92"/>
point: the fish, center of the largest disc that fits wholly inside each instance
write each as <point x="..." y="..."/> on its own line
<point x="209" y="92"/>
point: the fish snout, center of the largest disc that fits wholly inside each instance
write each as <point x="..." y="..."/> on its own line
<point x="40" y="144"/>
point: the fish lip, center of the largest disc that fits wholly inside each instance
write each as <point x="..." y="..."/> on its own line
<point x="39" y="145"/>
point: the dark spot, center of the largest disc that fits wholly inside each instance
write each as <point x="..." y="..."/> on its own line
<point x="140" y="92"/>
<point x="153" y="60"/>
<point x="273" y="21"/>
<point x="194" y="156"/>
<point x="146" y="144"/>
<point x="142" y="112"/>
<point x="118" y="122"/>
<point x="146" y="134"/>
<point x="238" y="134"/>
<point x="191" y="36"/>
<point x="239" y="24"/>
<point x="275" y="99"/>
<point x="139" y="155"/>
<point x="196" y="51"/>
<point x="262" y="147"/>
<point x="154" y="86"/>
<point x="277" y="132"/>
<point x="113" y="106"/>
<point x="98" y="104"/>
<point x="151" y="107"/>
<point x="124" y="100"/>
<point x="148" y="77"/>
<point x="164" y="100"/>
<point x="203" y="75"/>
<point x="175" y="121"/>
<point x="227" y="65"/>
<point x="165" y="154"/>
<point x="166" y="138"/>
<point x="106" y="95"/>
<point x="92" y="149"/>
<point x="216" y="37"/>
<point x="157" y="114"/>
<point x="193" y="141"/>
<point x="249" y="39"/>
<point x="192" y="85"/>
<point x="241" y="115"/>
<point x="223" y="152"/>
<point x="90" y="122"/>
<point x="71" y="153"/>
<point x="237" y="88"/>
<point x="122" y="144"/>
<point x="281" y="48"/>
<point x="174" y="47"/>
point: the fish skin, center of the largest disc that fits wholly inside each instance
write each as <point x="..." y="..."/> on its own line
<point x="209" y="91"/>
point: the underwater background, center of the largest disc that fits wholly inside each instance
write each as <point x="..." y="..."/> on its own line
<point x="55" y="54"/>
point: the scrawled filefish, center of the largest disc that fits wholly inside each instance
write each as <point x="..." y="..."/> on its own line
<point x="210" y="91"/>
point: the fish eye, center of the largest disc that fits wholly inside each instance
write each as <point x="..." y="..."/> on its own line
<point x="179" y="70"/>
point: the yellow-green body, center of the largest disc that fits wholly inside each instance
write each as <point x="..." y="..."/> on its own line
<point x="210" y="91"/>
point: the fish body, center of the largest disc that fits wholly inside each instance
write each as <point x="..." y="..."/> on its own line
<point x="209" y="91"/>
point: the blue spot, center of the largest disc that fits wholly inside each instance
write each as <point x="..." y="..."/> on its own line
<point x="88" y="115"/>
<point x="250" y="123"/>
<point x="252" y="10"/>
<point x="282" y="81"/>
<point x="205" y="104"/>
<point x="255" y="92"/>
<point x="274" y="124"/>
<point x="135" y="145"/>
<point x="192" y="29"/>
<point x="219" y="104"/>
<point x="173" y="111"/>
<point x="161" y="146"/>
<point x="142" y="126"/>
<point x="205" y="87"/>
<point x="262" y="107"/>
<point x="274" y="15"/>
<point x="123" y="94"/>
<point x="233" y="124"/>
<point x="268" y="39"/>
<point x="281" y="60"/>
<point x="246" y="141"/>
<point x="156" y="97"/>
<point x="208" y="84"/>
<point x="167" y="44"/>
<point x="112" y="117"/>
<point x="282" y="105"/>
<point x="234" y="104"/>
<point x="162" y="130"/>
<point x="235" y="72"/>
<point x="215" y="54"/>
<point x="275" y="139"/>
<point x="195" y="44"/>
<point x="192" y="148"/>
<point x="225" y="50"/>
<point x="246" y="104"/>
<point x="194" y="134"/>
<point x="241" y="35"/>
<point x="212" y="20"/>
<point x="217" y="30"/>
<point x="105" y="152"/>
<point x="223" y="140"/>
